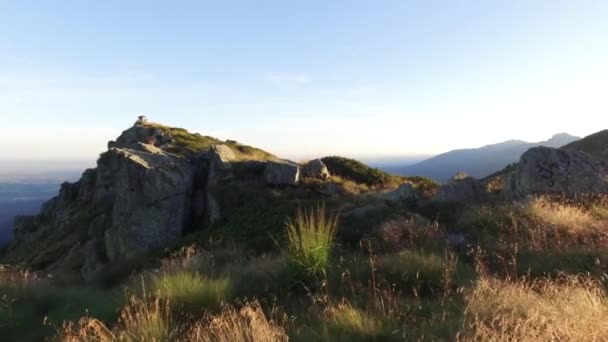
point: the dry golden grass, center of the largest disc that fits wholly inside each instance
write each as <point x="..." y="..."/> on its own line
<point x="19" y="277"/>
<point x="408" y="232"/>
<point x="187" y="259"/>
<point x="151" y="321"/>
<point x="562" y="215"/>
<point x="568" y="309"/>
<point x="344" y="316"/>
<point x="539" y="224"/>
<point x="85" y="330"/>
<point x="141" y="320"/>
<point x="249" y="324"/>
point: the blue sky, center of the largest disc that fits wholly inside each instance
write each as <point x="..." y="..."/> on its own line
<point x="301" y="78"/>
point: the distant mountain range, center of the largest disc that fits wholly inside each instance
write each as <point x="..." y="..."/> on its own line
<point x="479" y="162"/>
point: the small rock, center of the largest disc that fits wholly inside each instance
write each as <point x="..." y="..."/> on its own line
<point x="315" y="169"/>
<point x="281" y="173"/>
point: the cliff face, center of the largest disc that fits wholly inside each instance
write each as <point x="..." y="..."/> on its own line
<point x="148" y="189"/>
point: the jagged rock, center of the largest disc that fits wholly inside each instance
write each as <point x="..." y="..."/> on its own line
<point x="141" y="196"/>
<point x="142" y="133"/>
<point x="219" y="158"/>
<point x="281" y="173"/>
<point x="149" y="192"/>
<point x="315" y="169"/>
<point x="461" y="188"/>
<point x="543" y="170"/>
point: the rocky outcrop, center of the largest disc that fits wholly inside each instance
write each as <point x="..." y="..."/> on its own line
<point x="315" y="169"/>
<point x="281" y="173"/>
<point x="142" y="132"/>
<point x="140" y="197"/>
<point x="544" y="170"/>
<point x="147" y="192"/>
<point x="219" y="158"/>
<point x="461" y="188"/>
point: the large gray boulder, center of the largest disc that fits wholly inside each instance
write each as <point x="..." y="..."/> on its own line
<point x="148" y="193"/>
<point x="315" y="169"/>
<point x="543" y="170"/>
<point x="281" y="173"/>
<point x="461" y="188"/>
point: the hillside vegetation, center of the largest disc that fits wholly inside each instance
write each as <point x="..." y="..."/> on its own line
<point x="360" y="255"/>
<point x="187" y="143"/>
<point x="595" y="144"/>
<point x="533" y="272"/>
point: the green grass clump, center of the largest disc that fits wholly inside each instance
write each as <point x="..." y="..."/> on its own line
<point x="190" y="290"/>
<point x="310" y="237"/>
<point x="422" y="272"/>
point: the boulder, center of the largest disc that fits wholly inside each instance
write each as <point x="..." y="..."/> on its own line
<point x="461" y="188"/>
<point x="148" y="193"/>
<point x="281" y="173"/>
<point x="315" y="169"/>
<point x="219" y="158"/>
<point x="544" y="170"/>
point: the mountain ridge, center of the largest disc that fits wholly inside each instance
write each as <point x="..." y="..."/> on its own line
<point x="480" y="162"/>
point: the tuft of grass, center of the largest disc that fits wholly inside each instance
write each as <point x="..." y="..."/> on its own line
<point x="424" y="273"/>
<point x="147" y="320"/>
<point x="249" y="324"/>
<point x="345" y="321"/>
<point x="141" y="320"/>
<point x="561" y="215"/>
<point x="569" y="309"/>
<point x="310" y="237"/>
<point x="190" y="290"/>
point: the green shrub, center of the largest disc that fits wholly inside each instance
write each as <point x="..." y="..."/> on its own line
<point x="357" y="171"/>
<point x="310" y="236"/>
<point x="191" y="291"/>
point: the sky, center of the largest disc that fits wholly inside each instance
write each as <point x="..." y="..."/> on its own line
<point x="301" y="79"/>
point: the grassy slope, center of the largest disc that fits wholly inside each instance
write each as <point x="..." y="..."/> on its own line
<point x="595" y="144"/>
<point x="187" y="143"/>
<point x="399" y="283"/>
<point x="390" y="276"/>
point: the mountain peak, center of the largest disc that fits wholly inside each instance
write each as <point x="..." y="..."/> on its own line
<point x="564" y="138"/>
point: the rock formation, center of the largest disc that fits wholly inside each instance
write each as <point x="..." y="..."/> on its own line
<point x="140" y="197"/>
<point x="461" y="188"/>
<point x="544" y="170"/>
<point x="281" y="173"/>
<point x="315" y="169"/>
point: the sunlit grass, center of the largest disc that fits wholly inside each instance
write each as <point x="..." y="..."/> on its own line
<point x="570" y="309"/>
<point x="191" y="290"/>
<point x="248" y="324"/>
<point x="310" y="237"/>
